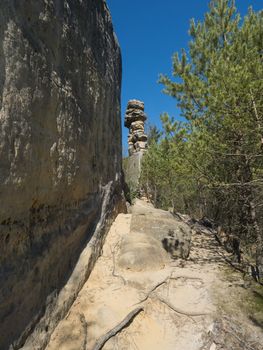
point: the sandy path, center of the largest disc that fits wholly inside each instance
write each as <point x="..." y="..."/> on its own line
<point x="178" y="315"/>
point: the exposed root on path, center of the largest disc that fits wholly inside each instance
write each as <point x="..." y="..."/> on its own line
<point x="168" y="278"/>
<point x="85" y="327"/>
<point x="180" y="311"/>
<point x="114" y="274"/>
<point x="166" y="302"/>
<point x="123" y="324"/>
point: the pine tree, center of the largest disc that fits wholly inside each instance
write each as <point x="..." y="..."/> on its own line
<point x="218" y="84"/>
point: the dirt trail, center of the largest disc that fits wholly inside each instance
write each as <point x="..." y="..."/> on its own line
<point x="182" y="305"/>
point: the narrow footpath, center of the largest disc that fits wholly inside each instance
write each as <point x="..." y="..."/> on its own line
<point x="138" y="297"/>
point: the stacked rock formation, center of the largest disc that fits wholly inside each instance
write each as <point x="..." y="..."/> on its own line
<point x="134" y="121"/>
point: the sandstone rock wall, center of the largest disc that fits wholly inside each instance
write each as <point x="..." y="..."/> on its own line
<point x="60" y="151"/>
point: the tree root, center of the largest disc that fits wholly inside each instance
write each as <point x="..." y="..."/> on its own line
<point x="85" y="327"/>
<point x="159" y="284"/>
<point x="175" y="309"/>
<point x="180" y="311"/>
<point x="124" y="323"/>
<point x="114" y="274"/>
<point x="152" y="290"/>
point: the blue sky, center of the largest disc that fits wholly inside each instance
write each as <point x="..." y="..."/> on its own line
<point x="149" y="32"/>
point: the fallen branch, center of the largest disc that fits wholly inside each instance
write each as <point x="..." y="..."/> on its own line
<point x="124" y="323"/>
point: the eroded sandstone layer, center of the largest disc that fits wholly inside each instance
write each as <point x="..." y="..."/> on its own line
<point x="60" y="156"/>
<point x="134" y="120"/>
<point x="137" y="142"/>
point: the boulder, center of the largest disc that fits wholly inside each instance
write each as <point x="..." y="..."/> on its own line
<point x="174" y="234"/>
<point x="141" y="252"/>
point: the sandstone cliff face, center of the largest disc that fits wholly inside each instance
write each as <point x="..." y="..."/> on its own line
<point x="60" y="149"/>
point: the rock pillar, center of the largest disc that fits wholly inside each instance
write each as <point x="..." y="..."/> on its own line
<point x="134" y="121"/>
<point x="137" y="141"/>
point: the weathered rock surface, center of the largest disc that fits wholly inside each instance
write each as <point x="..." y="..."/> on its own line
<point x="60" y="155"/>
<point x="132" y="170"/>
<point x="176" y="243"/>
<point x="152" y="232"/>
<point x="141" y="252"/>
<point x="162" y="226"/>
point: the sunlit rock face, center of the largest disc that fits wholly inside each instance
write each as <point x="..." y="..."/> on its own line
<point x="60" y="148"/>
